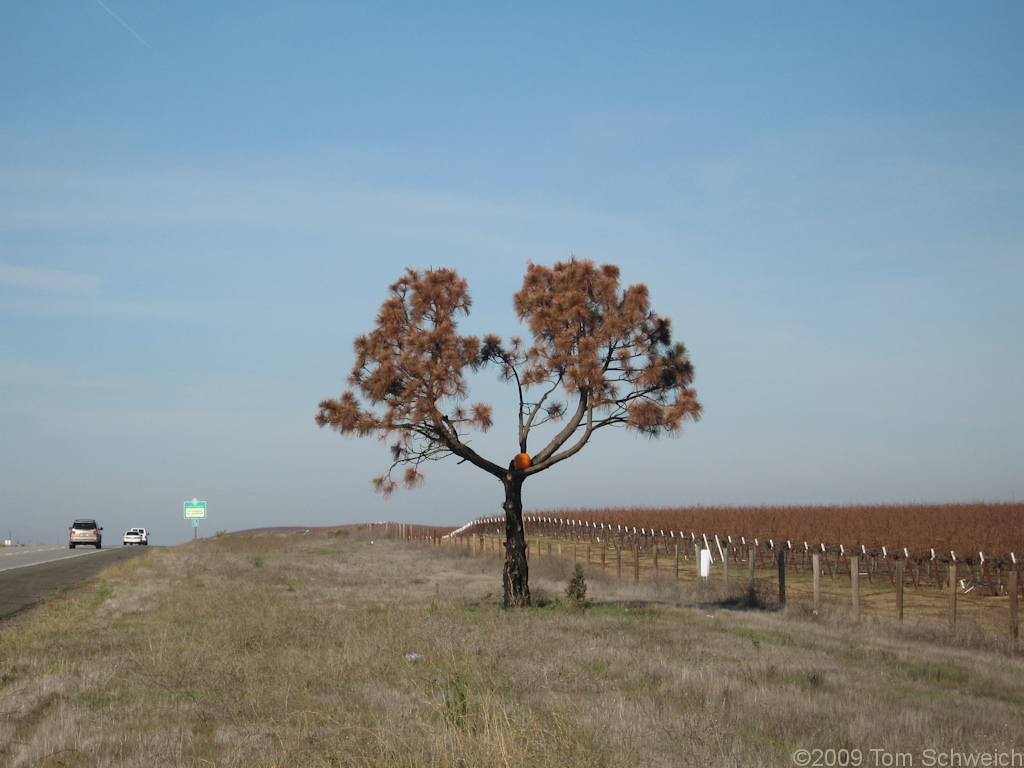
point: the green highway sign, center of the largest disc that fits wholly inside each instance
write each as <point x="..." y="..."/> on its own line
<point x="195" y="510"/>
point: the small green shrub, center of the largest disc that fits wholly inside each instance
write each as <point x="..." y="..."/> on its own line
<point x="576" y="590"/>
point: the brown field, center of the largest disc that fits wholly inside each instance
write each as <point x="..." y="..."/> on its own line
<point x="350" y="650"/>
<point x="995" y="529"/>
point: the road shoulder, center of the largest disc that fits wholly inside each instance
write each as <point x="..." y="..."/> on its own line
<point x="21" y="588"/>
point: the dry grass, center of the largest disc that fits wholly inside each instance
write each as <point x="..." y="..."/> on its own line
<point x="327" y="650"/>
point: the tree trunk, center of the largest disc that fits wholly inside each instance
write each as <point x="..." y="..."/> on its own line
<point x="515" y="577"/>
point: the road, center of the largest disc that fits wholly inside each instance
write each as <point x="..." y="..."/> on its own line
<point x="30" y="574"/>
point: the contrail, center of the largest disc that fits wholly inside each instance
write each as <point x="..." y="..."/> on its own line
<point x="121" y="22"/>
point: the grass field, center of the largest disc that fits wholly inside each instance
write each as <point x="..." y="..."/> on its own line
<point x="339" y="650"/>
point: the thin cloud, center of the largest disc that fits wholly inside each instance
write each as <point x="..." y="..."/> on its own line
<point x="52" y="280"/>
<point x="121" y="22"/>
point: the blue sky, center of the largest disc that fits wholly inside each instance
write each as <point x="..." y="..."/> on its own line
<point x="201" y="205"/>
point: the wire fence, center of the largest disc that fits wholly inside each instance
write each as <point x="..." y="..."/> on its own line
<point x="642" y="553"/>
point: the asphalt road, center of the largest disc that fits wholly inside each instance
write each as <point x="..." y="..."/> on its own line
<point x="31" y="574"/>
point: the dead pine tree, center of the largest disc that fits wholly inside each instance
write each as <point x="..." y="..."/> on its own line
<point x="599" y="357"/>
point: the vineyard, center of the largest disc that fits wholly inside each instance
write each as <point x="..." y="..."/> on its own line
<point x="924" y="531"/>
<point x="865" y="556"/>
<point x="973" y="545"/>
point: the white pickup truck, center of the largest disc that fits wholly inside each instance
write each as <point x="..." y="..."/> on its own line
<point x="143" y="536"/>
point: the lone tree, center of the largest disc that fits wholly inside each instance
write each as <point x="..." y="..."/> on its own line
<point x="599" y="358"/>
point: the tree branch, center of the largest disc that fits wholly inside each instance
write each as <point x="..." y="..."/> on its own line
<point x="560" y="439"/>
<point x="525" y="431"/>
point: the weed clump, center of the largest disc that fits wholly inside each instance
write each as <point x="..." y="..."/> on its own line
<point x="455" y="702"/>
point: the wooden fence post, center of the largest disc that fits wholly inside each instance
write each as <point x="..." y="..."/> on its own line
<point x="900" y="565"/>
<point x="677" y="560"/>
<point x="855" y="585"/>
<point x="751" y="562"/>
<point x="725" y="569"/>
<point x="782" y="577"/>
<point x="952" y="592"/>
<point x="816" y="565"/>
<point x="1013" y="606"/>
<point x="618" y="561"/>
<point x="636" y="561"/>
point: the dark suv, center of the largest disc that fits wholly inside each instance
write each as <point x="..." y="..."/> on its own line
<point x="85" y="532"/>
